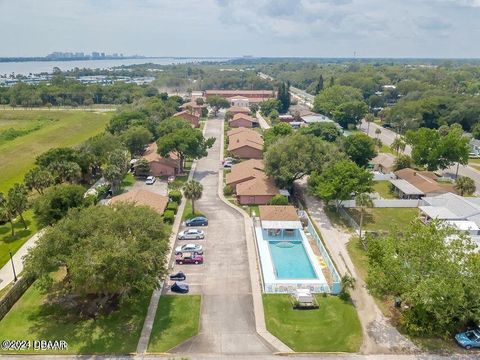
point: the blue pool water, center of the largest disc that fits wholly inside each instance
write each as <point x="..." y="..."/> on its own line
<point x="291" y="260"/>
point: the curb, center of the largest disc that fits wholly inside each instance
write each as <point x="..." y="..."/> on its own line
<point x="259" y="314"/>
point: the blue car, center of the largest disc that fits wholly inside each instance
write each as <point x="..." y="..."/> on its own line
<point x="197" y="221"/>
<point x="469" y="339"/>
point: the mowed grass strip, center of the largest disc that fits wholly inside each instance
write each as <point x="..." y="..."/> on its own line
<point x="334" y="327"/>
<point x="10" y="243"/>
<point x="384" y="219"/>
<point x="177" y="320"/>
<point x="66" y="128"/>
<point x="34" y="318"/>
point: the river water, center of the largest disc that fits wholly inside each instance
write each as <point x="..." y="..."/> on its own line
<point x="35" y="67"/>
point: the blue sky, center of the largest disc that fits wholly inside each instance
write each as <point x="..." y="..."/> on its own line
<point x="323" y="28"/>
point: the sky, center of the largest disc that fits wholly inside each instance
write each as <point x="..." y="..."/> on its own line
<point x="228" y="28"/>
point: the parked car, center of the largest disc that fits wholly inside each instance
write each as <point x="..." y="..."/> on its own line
<point x="191" y="234"/>
<point x="197" y="221"/>
<point x="469" y="339"/>
<point x="189" y="258"/>
<point x="227" y="165"/>
<point x="195" y="248"/>
<point x="150" y="180"/>
<point x="180" y="276"/>
<point x="180" y="288"/>
<point x="230" y="160"/>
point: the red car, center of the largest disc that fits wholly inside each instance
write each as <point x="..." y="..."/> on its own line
<point x="189" y="258"/>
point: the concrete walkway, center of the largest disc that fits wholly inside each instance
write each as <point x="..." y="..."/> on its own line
<point x="379" y="336"/>
<point x="262" y="122"/>
<point x="227" y="322"/>
<point x="6" y="272"/>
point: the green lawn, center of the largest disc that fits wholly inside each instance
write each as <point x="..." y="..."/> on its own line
<point x="58" y="128"/>
<point x="387" y="149"/>
<point x="383" y="188"/>
<point x="7" y="242"/>
<point x="384" y="219"/>
<point x="187" y="211"/>
<point x="32" y="318"/>
<point x="177" y="319"/>
<point x="333" y="327"/>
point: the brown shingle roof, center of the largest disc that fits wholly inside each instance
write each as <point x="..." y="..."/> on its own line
<point x="384" y="159"/>
<point x="192" y="104"/>
<point x="185" y="114"/>
<point x="278" y="213"/>
<point x="143" y="197"/>
<point x="151" y="155"/>
<point x="238" y="109"/>
<point x="258" y="186"/>
<point x="243" y="116"/>
<point x="425" y="181"/>
<point x="246" y="170"/>
<point x="238" y="138"/>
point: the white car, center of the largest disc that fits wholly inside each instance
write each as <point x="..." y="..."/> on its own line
<point x="150" y="180"/>
<point x="194" y="248"/>
<point x="191" y="234"/>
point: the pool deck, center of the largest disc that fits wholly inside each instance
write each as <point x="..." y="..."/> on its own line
<point x="274" y="285"/>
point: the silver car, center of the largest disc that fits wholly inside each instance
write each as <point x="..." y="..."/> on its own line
<point x="194" y="248"/>
<point x="191" y="234"/>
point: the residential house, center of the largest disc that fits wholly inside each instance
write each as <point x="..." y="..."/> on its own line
<point x="244" y="171"/>
<point x="245" y="143"/>
<point x="193" y="108"/>
<point x="191" y="118"/>
<point x="239" y="101"/>
<point x="243" y="120"/>
<point x="161" y="166"/>
<point x="414" y="184"/>
<point x="383" y="163"/>
<point x="257" y="191"/>
<point x="234" y="110"/>
<point x="253" y="96"/>
<point x="142" y="197"/>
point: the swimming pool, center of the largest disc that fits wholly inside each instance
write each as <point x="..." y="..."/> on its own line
<point x="291" y="260"/>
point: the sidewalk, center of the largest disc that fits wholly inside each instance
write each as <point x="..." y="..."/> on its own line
<point x="6" y="272"/>
<point x="261" y="120"/>
<point x="379" y="336"/>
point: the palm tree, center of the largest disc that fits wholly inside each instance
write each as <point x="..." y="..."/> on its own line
<point x="465" y="185"/>
<point x="347" y="283"/>
<point x="193" y="191"/>
<point x="398" y="145"/>
<point x="369" y="118"/>
<point x="363" y="201"/>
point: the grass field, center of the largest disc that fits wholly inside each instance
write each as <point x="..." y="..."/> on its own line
<point x="9" y="243"/>
<point x="383" y="189"/>
<point x="32" y="318"/>
<point x="177" y="319"/>
<point x="55" y="128"/>
<point x="384" y="219"/>
<point x="333" y="327"/>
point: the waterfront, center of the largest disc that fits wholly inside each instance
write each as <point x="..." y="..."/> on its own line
<point x="36" y="67"/>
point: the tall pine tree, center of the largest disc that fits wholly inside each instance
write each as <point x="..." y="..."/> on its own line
<point x="319" y="86"/>
<point x="283" y="95"/>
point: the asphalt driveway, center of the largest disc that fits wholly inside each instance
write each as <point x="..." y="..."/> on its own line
<point x="227" y="318"/>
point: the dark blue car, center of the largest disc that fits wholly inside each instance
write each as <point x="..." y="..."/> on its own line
<point x="469" y="339"/>
<point x="197" y="221"/>
<point x="180" y="288"/>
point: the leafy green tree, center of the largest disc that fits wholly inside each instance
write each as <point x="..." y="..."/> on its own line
<point x="319" y="87"/>
<point x="369" y="118"/>
<point x="193" y="190"/>
<point x="434" y="151"/>
<point x="360" y="148"/>
<point x="340" y="180"/>
<point x="347" y="283"/>
<point x="398" y="145"/>
<point x="38" y="179"/>
<point x="18" y="201"/>
<point x="333" y="96"/>
<point x="185" y="143"/>
<point x="278" y="200"/>
<point x="65" y="171"/>
<point x="283" y="95"/>
<point x="476" y="131"/>
<point x="274" y="133"/>
<point x="465" y="185"/>
<point x="217" y="103"/>
<point x="142" y="167"/>
<point x="267" y="106"/>
<point x="55" y="203"/>
<point x="6" y="212"/>
<point x="109" y="252"/>
<point x="437" y="279"/>
<point x="350" y="113"/>
<point x="296" y="155"/>
<point x="363" y="201"/>
<point x="402" y="162"/>
<point x="116" y="167"/>
<point x="254" y="108"/>
<point x="136" y="138"/>
<point x="324" y="130"/>
<point x="169" y="125"/>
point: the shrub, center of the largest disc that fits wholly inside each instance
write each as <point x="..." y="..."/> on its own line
<point x="227" y="190"/>
<point x="278" y="200"/>
<point x="168" y="216"/>
<point x="173" y="206"/>
<point x="175" y="196"/>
